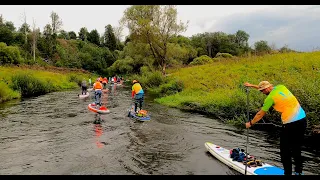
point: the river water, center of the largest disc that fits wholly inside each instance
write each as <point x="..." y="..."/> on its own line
<point x="57" y="134"/>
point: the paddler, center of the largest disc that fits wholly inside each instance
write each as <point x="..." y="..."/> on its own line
<point x="138" y="95"/>
<point x="97" y="87"/>
<point x="293" y="122"/>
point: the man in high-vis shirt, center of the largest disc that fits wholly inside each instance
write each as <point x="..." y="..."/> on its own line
<point x="293" y="122"/>
<point x="138" y="94"/>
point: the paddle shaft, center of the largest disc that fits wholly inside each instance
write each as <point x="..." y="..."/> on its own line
<point x="245" y="171"/>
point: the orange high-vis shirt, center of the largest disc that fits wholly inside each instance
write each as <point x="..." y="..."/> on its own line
<point x="97" y="85"/>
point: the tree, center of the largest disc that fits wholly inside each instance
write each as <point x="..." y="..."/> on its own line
<point x="63" y="35"/>
<point x="154" y="25"/>
<point x="109" y="38"/>
<point x="241" y="38"/>
<point x="72" y="35"/>
<point x="94" y="37"/>
<point x="1" y="20"/>
<point x="49" y="41"/>
<point x="262" y="47"/>
<point x="83" y="34"/>
<point x="56" y="22"/>
<point x="6" y="35"/>
<point x="47" y="31"/>
<point x="34" y="39"/>
<point x="10" y="26"/>
<point x="118" y="32"/>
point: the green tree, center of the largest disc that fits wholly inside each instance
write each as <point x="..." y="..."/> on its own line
<point x="154" y="25"/>
<point x="262" y="47"/>
<point x="24" y="27"/>
<point x="83" y="34"/>
<point x="6" y="35"/>
<point x="10" y="26"/>
<point x="242" y="38"/>
<point x="72" y="35"/>
<point x="109" y="38"/>
<point x="94" y="37"/>
<point x="63" y="35"/>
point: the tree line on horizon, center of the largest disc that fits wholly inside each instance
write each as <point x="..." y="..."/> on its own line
<point x="154" y="42"/>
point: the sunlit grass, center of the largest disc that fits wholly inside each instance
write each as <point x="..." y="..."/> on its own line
<point x="217" y="88"/>
<point x="21" y="81"/>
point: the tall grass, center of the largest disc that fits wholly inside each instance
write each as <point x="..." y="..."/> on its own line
<point x="16" y="82"/>
<point x="217" y="88"/>
<point x="7" y="93"/>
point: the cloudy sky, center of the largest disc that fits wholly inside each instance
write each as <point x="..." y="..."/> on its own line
<point x="296" y="26"/>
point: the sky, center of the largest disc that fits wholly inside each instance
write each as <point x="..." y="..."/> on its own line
<point x="297" y="26"/>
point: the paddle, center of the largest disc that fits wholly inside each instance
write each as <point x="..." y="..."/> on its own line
<point x="247" y="90"/>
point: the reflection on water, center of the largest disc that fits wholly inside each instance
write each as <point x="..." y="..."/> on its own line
<point x="98" y="130"/>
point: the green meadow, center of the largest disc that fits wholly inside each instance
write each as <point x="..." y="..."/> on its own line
<point x="217" y="88"/>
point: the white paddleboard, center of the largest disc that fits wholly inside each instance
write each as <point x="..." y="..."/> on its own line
<point x="84" y="96"/>
<point x="224" y="156"/>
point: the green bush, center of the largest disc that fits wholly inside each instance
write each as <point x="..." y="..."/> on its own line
<point x="171" y="88"/>
<point x="29" y="85"/>
<point x="6" y="93"/>
<point x="149" y="79"/>
<point x="75" y="78"/>
<point x="204" y="59"/>
<point x="223" y="55"/>
<point x="9" y="54"/>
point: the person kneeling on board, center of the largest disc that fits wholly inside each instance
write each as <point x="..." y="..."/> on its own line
<point x="293" y="122"/>
<point x="97" y="87"/>
<point x="137" y="94"/>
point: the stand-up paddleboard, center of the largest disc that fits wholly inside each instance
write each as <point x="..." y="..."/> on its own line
<point x="84" y="95"/>
<point x="133" y="115"/>
<point x="224" y="156"/>
<point x="102" y="110"/>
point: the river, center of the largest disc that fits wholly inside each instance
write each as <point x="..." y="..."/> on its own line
<point x="57" y="134"/>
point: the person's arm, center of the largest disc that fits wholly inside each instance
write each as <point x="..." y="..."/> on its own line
<point x="256" y="118"/>
<point x="251" y="85"/>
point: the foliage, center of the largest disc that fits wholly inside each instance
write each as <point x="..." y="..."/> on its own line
<point x="223" y="94"/>
<point x="204" y="59"/>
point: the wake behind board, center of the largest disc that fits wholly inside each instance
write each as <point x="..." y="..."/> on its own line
<point x="224" y="156"/>
<point x="133" y="115"/>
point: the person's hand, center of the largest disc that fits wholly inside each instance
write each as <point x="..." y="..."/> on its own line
<point x="247" y="84"/>
<point x="248" y="125"/>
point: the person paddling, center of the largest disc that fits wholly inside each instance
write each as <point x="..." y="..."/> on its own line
<point x="138" y="94"/>
<point x="97" y="87"/>
<point x="84" y="87"/>
<point x="294" y="122"/>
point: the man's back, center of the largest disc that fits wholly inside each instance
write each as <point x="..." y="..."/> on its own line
<point x="284" y="102"/>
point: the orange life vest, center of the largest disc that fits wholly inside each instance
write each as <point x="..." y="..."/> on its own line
<point x="97" y="85"/>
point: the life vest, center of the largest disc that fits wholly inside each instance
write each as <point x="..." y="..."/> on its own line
<point x="97" y="85"/>
<point x="142" y="113"/>
<point x="105" y="80"/>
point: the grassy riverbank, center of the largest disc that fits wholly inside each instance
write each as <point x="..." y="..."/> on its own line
<point x="217" y="88"/>
<point x="28" y="81"/>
